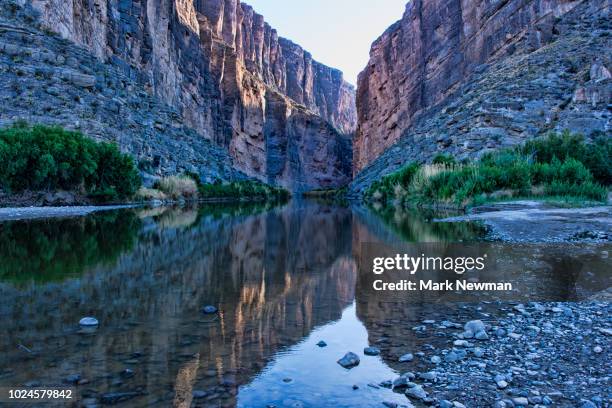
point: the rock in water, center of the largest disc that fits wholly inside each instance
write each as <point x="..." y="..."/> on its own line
<point x="322" y="344"/>
<point x="88" y="321"/>
<point x="349" y="360"/>
<point x="371" y="351"/>
<point x="209" y="309"/>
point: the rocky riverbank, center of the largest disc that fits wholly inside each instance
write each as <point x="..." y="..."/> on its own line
<point x="534" y="221"/>
<point x="502" y="355"/>
<point x="28" y="213"/>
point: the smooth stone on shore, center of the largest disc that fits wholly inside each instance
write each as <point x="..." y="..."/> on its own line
<point x="416" y="391"/>
<point x="209" y="309"/>
<point x="371" y="351"/>
<point x="502" y="384"/>
<point x="436" y="360"/>
<point x="403" y="380"/>
<point x="88" y="321"/>
<point x="406" y="358"/>
<point x="349" y="360"/>
<point x="521" y="401"/>
<point x="322" y="344"/>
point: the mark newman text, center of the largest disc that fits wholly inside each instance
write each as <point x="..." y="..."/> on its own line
<point x="405" y="284"/>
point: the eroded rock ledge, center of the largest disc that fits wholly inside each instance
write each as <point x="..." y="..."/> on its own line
<point x="283" y="117"/>
<point x="556" y="75"/>
<point x="465" y="78"/>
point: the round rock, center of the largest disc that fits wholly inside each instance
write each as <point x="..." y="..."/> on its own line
<point x="88" y="321"/>
<point x="209" y="309"/>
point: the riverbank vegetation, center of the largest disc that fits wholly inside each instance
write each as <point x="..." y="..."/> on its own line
<point x="50" y="158"/>
<point x="189" y="187"/>
<point x="563" y="166"/>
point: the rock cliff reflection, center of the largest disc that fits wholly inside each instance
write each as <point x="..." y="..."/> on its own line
<point x="282" y="279"/>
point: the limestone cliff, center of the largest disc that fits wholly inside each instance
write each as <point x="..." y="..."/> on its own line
<point x="463" y="76"/>
<point x="283" y="117"/>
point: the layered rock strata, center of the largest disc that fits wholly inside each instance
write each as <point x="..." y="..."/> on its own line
<point x="488" y="73"/>
<point x="227" y="73"/>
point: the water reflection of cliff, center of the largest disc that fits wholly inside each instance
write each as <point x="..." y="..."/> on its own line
<point x="274" y="277"/>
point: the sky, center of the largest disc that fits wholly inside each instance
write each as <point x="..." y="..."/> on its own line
<point x="337" y="33"/>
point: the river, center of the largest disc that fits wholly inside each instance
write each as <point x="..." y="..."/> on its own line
<point x="283" y="279"/>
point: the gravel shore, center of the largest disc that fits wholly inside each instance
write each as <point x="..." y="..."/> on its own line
<point x="25" y="213"/>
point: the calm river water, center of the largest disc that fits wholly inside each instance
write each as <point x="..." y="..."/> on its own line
<point x="282" y="278"/>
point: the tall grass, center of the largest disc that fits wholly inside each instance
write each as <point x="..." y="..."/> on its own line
<point x="177" y="187"/>
<point x="559" y="165"/>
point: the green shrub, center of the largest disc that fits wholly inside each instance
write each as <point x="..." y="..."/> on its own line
<point x="596" y="155"/>
<point x="559" y="165"/>
<point x="43" y="158"/>
<point x="588" y="190"/>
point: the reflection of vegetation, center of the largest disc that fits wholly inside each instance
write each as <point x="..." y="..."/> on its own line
<point x="189" y="216"/>
<point x="337" y="196"/>
<point x="55" y="249"/>
<point x="564" y="166"/>
<point x="234" y="209"/>
<point x="416" y="226"/>
<point x="251" y="190"/>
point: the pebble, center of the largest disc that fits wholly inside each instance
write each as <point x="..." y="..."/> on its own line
<point x="597" y="349"/>
<point x="406" y="358"/>
<point x="461" y="343"/>
<point x="88" y="321"/>
<point x="322" y="344"/>
<point x="371" y="351"/>
<point x="209" y="309"/>
<point x="436" y="360"/>
<point x="521" y="401"/>
<point x="416" y="391"/>
<point x="502" y="384"/>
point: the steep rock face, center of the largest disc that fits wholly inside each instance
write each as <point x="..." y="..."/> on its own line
<point x="48" y="80"/>
<point x="529" y="88"/>
<point x="424" y="59"/>
<point x="218" y="63"/>
<point x="278" y="62"/>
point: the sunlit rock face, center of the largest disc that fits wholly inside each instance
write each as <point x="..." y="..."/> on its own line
<point x="508" y="69"/>
<point x="229" y="74"/>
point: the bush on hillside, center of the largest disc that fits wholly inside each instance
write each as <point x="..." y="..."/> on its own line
<point x="559" y="165"/>
<point x="51" y="158"/>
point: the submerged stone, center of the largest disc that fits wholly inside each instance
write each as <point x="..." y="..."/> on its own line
<point x="371" y="351"/>
<point x="88" y="321"/>
<point x="209" y="309"/>
<point x="349" y="360"/>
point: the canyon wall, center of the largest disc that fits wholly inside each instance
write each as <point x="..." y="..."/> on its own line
<point x="283" y="117"/>
<point x="441" y="49"/>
